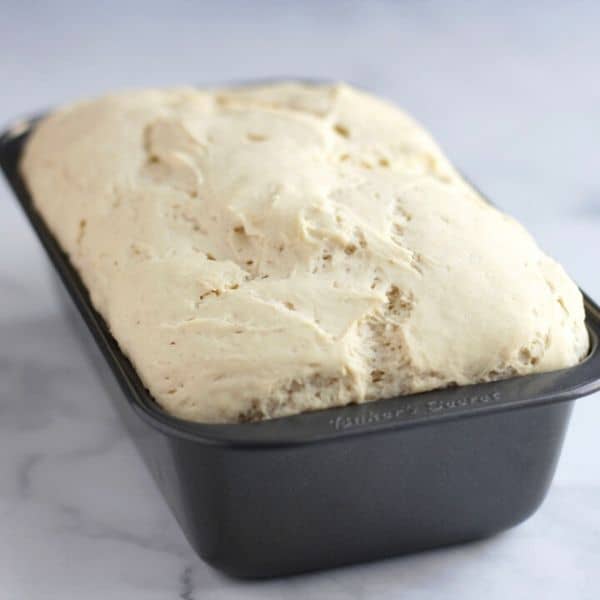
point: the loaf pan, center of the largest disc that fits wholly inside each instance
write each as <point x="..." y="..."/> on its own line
<point x="344" y="485"/>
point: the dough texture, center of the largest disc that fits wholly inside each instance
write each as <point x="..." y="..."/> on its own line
<point x="267" y="250"/>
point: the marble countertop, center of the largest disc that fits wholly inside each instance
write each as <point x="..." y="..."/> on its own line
<point x="511" y="94"/>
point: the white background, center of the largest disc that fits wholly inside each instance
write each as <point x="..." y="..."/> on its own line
<point x="512" y="92"/>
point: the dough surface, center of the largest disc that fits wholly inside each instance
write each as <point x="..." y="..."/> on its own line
<point x="262" y="251"/>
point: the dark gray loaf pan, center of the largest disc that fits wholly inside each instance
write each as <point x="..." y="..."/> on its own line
<point x="344" y="485"/>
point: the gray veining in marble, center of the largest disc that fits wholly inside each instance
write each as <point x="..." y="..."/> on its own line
<point x="510" y="89"/>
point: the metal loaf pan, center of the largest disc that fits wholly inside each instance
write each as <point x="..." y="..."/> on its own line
<point x="343" y="485"/>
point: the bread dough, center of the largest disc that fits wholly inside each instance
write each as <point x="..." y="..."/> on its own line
<point x="263" y="251"/>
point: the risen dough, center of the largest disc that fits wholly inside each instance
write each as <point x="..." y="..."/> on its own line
<point x="267" y="250"/>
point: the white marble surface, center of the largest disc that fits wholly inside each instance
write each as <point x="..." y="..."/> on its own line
<point x="513" y="94"/>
